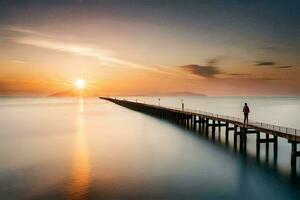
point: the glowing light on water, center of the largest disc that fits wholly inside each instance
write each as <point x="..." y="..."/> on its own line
<point x="81" y="170"/>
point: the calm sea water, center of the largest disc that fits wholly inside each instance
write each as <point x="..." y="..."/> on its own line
<point x="64" y="148"/>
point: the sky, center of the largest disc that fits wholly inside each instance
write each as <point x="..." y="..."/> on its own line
<point x="149" y="47"/>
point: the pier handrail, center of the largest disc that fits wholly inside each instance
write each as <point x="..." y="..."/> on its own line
<point x="287" y="130"/>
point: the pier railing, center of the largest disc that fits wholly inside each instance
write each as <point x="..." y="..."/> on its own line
<point x="287" y="130"/>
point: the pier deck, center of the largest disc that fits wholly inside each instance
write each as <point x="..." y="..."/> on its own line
<point x="202" y="121"/>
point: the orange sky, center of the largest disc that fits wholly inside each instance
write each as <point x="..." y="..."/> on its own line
<point x="125" y="53"/>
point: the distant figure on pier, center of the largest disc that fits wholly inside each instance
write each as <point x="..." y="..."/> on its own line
<point x="246" y="111"/>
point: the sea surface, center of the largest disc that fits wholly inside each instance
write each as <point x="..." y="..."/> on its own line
<point x="75" y="148"/>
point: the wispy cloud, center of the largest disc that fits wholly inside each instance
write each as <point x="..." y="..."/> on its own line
<point x="207" y="71"/>
<point x="26" y="31"/>
<point x="41" y="40"/>
<point x="237" y="74"/>
<point x="210" y="71"/>
<point x="264" y="63"/>
<point x="272" y="65"/>
<point x="204" y="71"/>
<point x="77" y="49"/>
<point x="284" y="67"/>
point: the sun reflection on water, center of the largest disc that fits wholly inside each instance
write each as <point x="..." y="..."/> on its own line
<point x="81" y="170"/>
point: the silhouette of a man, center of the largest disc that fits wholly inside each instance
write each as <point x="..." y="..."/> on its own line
<point x="246" y="112"/>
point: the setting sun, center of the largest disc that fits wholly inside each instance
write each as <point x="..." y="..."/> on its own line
<point x="80" y="84"/>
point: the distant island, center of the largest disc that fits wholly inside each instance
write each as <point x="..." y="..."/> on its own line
<point x="72" y="93"/>
<point x="182" y="94"/>
<point x="75" y="93"/>
<point x="166" y="94"/>
<point x="64" y="94"/>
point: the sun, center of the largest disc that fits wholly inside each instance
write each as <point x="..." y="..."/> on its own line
<point x="80" y="84"/>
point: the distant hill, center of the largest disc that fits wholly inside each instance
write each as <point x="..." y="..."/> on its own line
<point x="166" y="94"/>
<point x="65" y="93"/>
<point x="72" y="93"/>
<point x="182" y="94"/>
<point x="75" y="93"/>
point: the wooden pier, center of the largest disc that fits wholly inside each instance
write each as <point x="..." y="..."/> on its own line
<point x="207" y="123"/>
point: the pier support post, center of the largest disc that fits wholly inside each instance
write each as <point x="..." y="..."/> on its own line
<point x="195" y="122"/>
<point x="294" y="155"/>
<point x="181" y="119"/>
<point x="258" y="145"/>
<point x="187" y="120"/>
<point x="243" y="138"/>
<point x="213" y="129"/>
<point x="267" y="147"/>
<point x="206" y="126"/>
<point x="200" y="124"/>
<point x="203" y="124"/>
<point x="275" y="149"/>
<point x="235" y="137"/>
<point x="226" y="133"/>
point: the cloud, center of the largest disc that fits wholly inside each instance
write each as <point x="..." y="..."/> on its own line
<point x="264" y="63"/>
<point x="26" y="31"/>
<point x="214" y="61"/>
<point x="246" y="76"/>
<point x="208" y="71"/>
<point x="272" y="65"/>
<point x="204" y="71"/>
<point x="264" y="78"/>
<point x="38" y="39"/>
<point x="211" y="72"/>
<point x="237" y="74"/>
<point x="77" y="49"/>
<point x="284" y="67"/>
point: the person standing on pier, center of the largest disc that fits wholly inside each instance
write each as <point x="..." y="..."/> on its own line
<point x="246" y="112"/>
